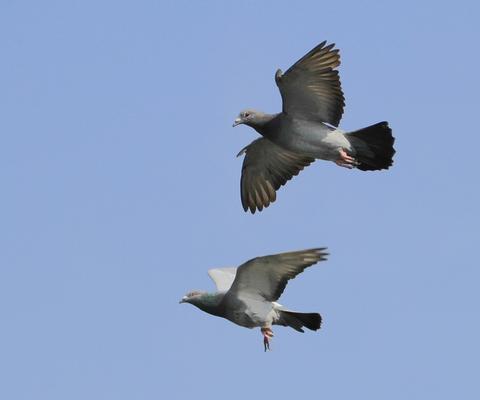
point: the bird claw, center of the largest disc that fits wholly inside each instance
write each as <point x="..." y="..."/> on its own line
<point x="346" y="161"/>
<point x="267" y="335"/>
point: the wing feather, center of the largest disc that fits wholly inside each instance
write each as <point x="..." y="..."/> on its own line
<point x="265" y="169"/>
<point x="266" y="277"/>
<point x="223" y="277"/>
<point x="311" y="87"/>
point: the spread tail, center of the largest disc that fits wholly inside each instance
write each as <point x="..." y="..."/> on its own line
<point x="298" y="320"/>
<point x="373" y="147"/>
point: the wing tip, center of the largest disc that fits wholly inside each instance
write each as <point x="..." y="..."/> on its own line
<point x="253" y="207"/>
<point x="278" y="75"/>
<point x="319" y="253"/>
<point x="243" y="151"/>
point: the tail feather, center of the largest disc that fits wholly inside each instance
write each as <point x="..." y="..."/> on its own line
<point x="373" y="147"/>
<point x="298" y="320"/>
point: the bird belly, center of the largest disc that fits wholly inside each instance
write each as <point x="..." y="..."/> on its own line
<point x="252" y="313"/>
<point x="243" y="319"/>
<point x="314" y="139"/>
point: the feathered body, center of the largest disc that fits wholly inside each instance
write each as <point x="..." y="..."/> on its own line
<point x="306" y="130"/>
<point x="308" y="138"/>
<point x="247" y="295"/>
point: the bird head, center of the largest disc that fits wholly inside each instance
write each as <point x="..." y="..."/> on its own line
<point x="249" y="117"/>
<point x="192" y="297"/>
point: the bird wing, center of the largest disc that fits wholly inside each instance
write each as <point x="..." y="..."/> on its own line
<point x="266" y="277"/>
<point x="265" y="169"/>
<point x="223" y="277"/>
<point x="311" y="87"/>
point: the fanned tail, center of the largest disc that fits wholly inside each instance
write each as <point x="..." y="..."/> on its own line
<point x="373" y="147"/>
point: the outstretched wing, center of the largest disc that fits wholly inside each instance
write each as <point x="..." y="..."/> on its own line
<point x="311" y="87"/>
<point x="223" y="277"/>
<point x="265" y="169"/>
<point x="266" y="277"/>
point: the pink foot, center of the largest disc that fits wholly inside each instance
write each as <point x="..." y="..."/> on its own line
<point x="344" y="160"/>
<point x="267" y="335"/>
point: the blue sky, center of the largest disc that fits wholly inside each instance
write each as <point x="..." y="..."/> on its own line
<point x="120" y="188"/>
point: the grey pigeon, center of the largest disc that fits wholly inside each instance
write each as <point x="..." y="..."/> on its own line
<point x="306" y="130"/>
<point x="247" y="295"/>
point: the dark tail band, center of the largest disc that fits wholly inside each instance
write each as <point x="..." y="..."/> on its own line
<point x="298" y="320"/>
<point x="373" y="147"/>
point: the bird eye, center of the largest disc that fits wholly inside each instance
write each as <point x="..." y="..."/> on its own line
<point x="246" y="114"/>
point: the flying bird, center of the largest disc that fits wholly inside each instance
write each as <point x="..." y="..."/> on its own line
<point x="306" y="130"/>
<point x="247" y="295"/>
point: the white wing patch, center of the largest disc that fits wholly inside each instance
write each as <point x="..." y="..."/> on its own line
<point x="223" y="277"/>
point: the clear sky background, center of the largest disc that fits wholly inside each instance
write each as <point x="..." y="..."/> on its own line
<point x="120" y="188"/>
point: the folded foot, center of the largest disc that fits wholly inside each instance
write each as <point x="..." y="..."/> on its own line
<point x="344" y="160"/>
<point x="267" y="335"/>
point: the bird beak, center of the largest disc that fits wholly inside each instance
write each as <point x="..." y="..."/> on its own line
<point x="238" y="121"/>
<point x="182" y="301"/>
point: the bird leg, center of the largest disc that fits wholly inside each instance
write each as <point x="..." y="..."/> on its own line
<point x="344" y="160"/>
<point x="267" y="335"/>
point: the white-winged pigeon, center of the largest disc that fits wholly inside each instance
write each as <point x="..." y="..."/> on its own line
<point x="247" y="295"/>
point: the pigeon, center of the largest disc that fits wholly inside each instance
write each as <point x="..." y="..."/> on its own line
<point x="306" y="130"/>
<point x="247" y="295"/>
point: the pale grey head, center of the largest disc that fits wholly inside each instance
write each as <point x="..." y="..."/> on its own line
<point x="252" y="118"/>
<point x="194" y="297"/>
